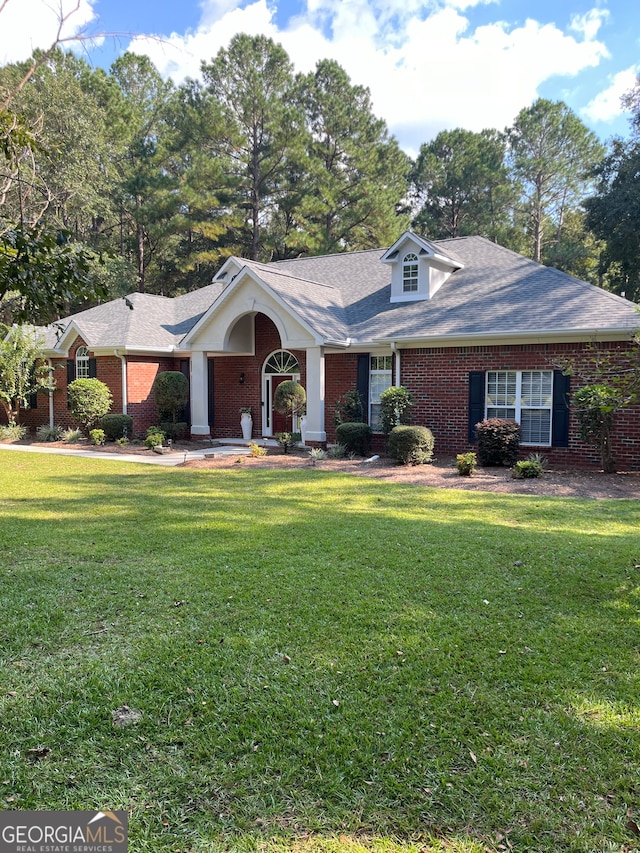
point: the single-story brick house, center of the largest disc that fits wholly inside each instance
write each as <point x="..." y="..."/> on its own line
<point x="472" y="329"/>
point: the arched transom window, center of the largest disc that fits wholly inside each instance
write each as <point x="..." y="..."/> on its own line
<point x="82" y="363"/>
<point x="282" y="362"/>
<point x="410" y="273"/>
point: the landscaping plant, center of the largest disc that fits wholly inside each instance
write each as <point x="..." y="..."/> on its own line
<point x="395" y="408"/>
<point x="466" y="463"/>
<point x="411" y="445"/>
<point x="498" y="442"/>
<point x="89" y="401"/>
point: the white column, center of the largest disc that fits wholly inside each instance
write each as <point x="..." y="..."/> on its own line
<point x="315" y="395"/>
<point x="199" y="394"/>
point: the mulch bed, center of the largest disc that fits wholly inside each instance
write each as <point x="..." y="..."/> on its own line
<point x="442" y="473"/>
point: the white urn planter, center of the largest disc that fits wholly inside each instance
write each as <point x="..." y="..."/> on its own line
<point x="246" y="423"/>
<point x="303" y="428"/>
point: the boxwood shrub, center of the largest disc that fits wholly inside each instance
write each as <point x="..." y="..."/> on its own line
<point x="117" y="426"/>
<point x="355" y="437"/>
<point x="411" y="445"/>
<point x="498" y="442"/>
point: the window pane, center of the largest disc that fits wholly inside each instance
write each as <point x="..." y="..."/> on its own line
<point x="505" y="414"/>
<point x="535" y="426"/>
<point x="501" y="388"/>
<point x="536" y="388"/>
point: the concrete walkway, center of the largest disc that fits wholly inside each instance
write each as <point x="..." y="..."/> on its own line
<point x="175" y="457"/>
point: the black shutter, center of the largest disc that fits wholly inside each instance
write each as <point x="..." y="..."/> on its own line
<point x="210" y="401"/>
<point x="560" y="415"/>
<point x="362" y="383"/>
<point x="93" y="369"/>
<point x="476" y="402"/>
<point x="33" y="400"/>
<point x="185" y="414"/>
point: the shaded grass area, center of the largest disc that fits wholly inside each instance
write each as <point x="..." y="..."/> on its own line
<point x="321" y="662"/>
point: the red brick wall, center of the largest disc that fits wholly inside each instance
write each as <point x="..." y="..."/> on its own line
<point x="230" y="395"/>
<point x="439" y="380"/>
<point x="109" y="371"/>
<point x="141" y="373"/>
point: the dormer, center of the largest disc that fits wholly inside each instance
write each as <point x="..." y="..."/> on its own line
<point x="418" y="268"/>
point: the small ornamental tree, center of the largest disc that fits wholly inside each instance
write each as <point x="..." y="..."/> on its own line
<point x="290" y="398"/>
<point x="595" y="408"/>
<point x="395" y="408"/>
<point x="610" y="382"/>
<point x="89" y="401"/>
<point x="23" y="370"/>
<point x="170" y="394"/>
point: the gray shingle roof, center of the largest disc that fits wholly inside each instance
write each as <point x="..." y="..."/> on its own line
<point x="346" y="296"/>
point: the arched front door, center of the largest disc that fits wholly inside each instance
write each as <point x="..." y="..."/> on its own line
<point x="278" y="367"/>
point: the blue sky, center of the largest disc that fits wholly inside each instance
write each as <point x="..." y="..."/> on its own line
<point x="429" y="64"/>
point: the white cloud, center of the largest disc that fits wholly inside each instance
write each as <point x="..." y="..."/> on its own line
<point x="29" y="24"/>
<point x="606" y="106"/>
<point x="425" y="64"/>
<point x="426" y="67"/>
<point x="588" y="25"/>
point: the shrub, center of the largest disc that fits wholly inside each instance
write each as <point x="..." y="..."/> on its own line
<point x="317" y="454"/>
<point x="411" y="445"/>
<point x="89" y="401"/>
<point x="72" y="436"/>
<point x="337" y="451"/>
<point x="526" y="469"/>
<point x="355" y="437"/>
<point x="349" y="408"/>
<point x="170" y="394"/>
<point x="122" y="442"/>
<point x="498" y="442"/>
<point x="13" y="432"/>
<point x="97" y="436"/>
<point x="48" y="433"/>
<point x="256" y="450"/>
<point x="532" y="466"/>
<point x="287" y="439"/>
<point x="174" y="431"/>
<point x="154" y="438"/>
<point x="466" y="464"/>
<point x="117" y="426"/>
<point x="395" y="408"/>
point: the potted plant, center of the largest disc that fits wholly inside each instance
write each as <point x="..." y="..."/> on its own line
<point x="246" y="422"/>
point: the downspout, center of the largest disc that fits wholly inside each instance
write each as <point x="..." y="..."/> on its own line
<point x="396" y="352"/>
<point x="123" y="359"/>
<point x="51" y="416"/>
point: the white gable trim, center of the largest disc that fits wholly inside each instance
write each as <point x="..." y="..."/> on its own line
<point x="255" y="304"/>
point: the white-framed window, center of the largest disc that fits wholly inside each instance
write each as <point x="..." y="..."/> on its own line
<point x="410" y="273"/>
<point x="380" y="367"/>
<point x="82" y="363"/>
<point x="525" y="396"/>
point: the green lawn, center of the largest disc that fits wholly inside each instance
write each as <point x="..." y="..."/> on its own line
<point x="322" y="663"/>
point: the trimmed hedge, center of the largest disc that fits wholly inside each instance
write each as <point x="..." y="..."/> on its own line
<point x="174" y="431"/>
<point x="498" y="442"/>
<point x="355" y="437"/>
<point x="89" y="401"/>
<point x="411" y="445"/>
<point x="116" y="426"/>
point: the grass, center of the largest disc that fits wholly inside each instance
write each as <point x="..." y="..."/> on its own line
<point x="322" y="663"/>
